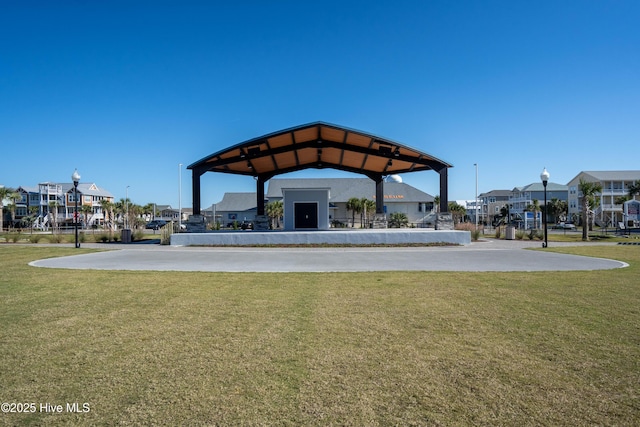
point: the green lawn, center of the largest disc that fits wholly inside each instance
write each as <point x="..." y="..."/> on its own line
<point x="408" y="348"/>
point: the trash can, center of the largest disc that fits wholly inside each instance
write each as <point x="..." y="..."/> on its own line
<point x="125" y="235"/>
<point x="510" y="233"/>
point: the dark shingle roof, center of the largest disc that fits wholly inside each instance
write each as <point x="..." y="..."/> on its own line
<point x="342" y="189"/>
<point x="237" y="202"/>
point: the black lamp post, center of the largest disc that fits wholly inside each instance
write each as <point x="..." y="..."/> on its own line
<point x="544" y="176"/>
<point x="76" y="179"/>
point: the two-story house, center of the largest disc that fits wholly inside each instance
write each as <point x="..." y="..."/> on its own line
<point x="522" y="197"/>
<point x="615" y="185"/>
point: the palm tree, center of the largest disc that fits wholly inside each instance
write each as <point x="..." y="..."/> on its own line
<point x="147" y="210"/>
<point x="634" y="189"/>
<point x="504" y="215"/>
<point x="275" y="211"/>
<point x="436" y="203"/>
<point x="53" y="211"/>
<point x="135" y="216"/>
<point x="107" y="212"/>
<point x="4" y="193"/>
<point x="398" y="220"/>
<point x="353" y="205"/>
<point x="457" y="211"/>
<point x="535" y="208"/>
<point x="368" y="210"/>
<point x="558" y="208"/>
<point x="31" y="218"/>
<point x="589" y="191"/>
<point x="121" y="207"/>
<point x="14" y="196"/>
<point x="86" y="211"/>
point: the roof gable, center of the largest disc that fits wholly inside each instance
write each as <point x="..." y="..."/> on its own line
<point x="628" y="175"/>
<point x="318" y="145"/>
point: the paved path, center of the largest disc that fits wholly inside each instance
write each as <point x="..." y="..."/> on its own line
<point x="489" y="255"/>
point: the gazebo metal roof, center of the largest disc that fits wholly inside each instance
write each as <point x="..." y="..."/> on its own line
<point x="318" y="145"/>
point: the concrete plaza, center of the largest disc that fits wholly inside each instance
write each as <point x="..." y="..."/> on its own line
<point x="489" y="255"/>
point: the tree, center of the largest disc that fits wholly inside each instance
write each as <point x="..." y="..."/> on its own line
<point x="398" y="220"/>
<point x="368" y="210"/>
<point x="436" y="203"/>
<point x="634" y="189"/>
<point x="458" y="212"/>
<point x="53" y="212"/>
<point x="122" y="207"/>
<point x="4" y="193"/>
<point x="14" y="196"/>
<point x="31" y="218"/>
<point x="147" y="210"/>
<point x="558" y="208"/>
<point x="86" y="210"/>
<point x="275" y="211"/>
<point x="107" y="212"/>
<point x="535" y="208"/>
<point x="589" y="190"/>
<point x="354" y="205"/>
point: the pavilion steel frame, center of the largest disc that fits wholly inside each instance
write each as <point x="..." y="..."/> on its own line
<point x="318" y="145"/>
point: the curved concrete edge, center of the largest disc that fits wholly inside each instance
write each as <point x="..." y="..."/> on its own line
<point x="281" y="260"/>
<point x="622" y="263"/>
<point x="330" y="237"/>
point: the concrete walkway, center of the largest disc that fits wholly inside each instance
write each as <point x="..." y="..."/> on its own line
<point x="490" y="255"/>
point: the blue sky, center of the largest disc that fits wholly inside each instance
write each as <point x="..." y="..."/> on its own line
<point x="126" y="91"/>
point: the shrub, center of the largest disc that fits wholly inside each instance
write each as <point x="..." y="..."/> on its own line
<point x="398" y="220"/>
<point x="82" y="237"/>
<point x="35" y="238"/>
<point x="475" y="231"/>
<point x="165" y="235"/>
<point x="115" y="237"/>
<point x="14" y="237"/>
<point x="137" y="235"/>
<point x="520" y="234"/>
<point x="102" y="237"/>
<point x="56" y="238"/>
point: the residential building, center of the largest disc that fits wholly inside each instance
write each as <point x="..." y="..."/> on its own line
<point x="50" y="203"/>
<point x="615" y="184"/>
<point x="491" y="203"/>
<point x="522" y="197"/>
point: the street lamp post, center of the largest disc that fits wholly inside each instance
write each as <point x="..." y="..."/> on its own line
<point x="126" y="207"/>
<point x="75" y="177"/>
<point x="544" y="176"/>
<point x="179" y="197"/>
<point x="476" y="201"/>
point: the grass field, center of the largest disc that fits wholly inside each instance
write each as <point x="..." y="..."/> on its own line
<point x="408" y="348"/>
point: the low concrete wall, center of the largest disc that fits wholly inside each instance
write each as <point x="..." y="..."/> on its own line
<point x="331" y="237"/>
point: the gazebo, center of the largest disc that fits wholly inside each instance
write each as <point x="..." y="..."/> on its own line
<point x="319" y="145"/>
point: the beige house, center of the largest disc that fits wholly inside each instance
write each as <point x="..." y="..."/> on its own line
<point x="615" y="184"/>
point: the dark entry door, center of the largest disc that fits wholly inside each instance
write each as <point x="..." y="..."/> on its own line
<point x="306" y="215"/>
